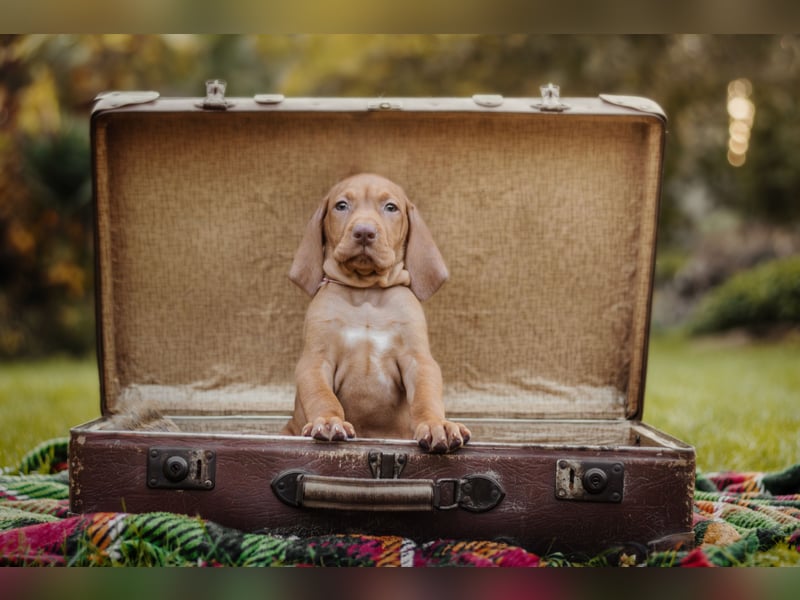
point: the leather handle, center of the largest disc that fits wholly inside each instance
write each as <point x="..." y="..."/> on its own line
<point x="475" y="493"/>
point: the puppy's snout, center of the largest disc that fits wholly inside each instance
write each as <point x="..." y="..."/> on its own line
<point x="364" y="233"/>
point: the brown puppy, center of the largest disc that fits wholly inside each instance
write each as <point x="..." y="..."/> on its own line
<point x="368" y="259"/>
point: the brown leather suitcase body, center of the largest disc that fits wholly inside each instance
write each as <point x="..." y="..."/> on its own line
<point x="545" y="211"/>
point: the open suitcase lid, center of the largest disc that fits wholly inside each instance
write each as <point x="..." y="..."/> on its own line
<point x="544" y="209"/>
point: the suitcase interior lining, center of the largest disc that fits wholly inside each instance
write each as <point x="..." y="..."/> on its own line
<point x="547" y="223"/>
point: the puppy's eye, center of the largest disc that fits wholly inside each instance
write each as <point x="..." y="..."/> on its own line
<point x="390" y="207"/>
<point x="341" y="205"/>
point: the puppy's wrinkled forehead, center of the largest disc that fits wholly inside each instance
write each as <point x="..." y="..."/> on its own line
<point x="367" y="186"/>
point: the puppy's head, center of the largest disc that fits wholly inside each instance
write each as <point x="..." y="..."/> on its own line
<point x="366" y="232"/>
<point x="365" y="226"/>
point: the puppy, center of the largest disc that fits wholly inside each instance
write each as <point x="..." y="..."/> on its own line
<point x="368" y="260"/>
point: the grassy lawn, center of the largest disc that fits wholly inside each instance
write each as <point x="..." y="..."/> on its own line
<point x="42" y="400"/>
<point x="738" y="404"/>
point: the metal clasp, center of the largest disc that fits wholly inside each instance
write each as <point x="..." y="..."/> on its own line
<point x="386" y="466"/>
<point x="215" y="95"/>
<point x="551" y="101"/>
<point x="474" y="493"/>
<point x="181" y="468"/>
<point x="488" y="100"/>
<point x="269" y="98"/>
<point x="383" y="104"/>
<point x="590" y="480"/>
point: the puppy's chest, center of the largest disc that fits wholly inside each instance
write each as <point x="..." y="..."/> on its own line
<point x="367" y="343"/>
<point x="366" y="346"/>
<point x="376" y="342"/>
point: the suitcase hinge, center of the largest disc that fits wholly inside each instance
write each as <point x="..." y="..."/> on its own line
<point x="386" y="466"/>
<point x="215" y="96"/>
<point x="551" y="101"/>
<point x="589" y="481"/>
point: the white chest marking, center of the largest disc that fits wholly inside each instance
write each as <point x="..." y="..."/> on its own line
<point x="377" y="342"/>
<point x="380" y="341"/>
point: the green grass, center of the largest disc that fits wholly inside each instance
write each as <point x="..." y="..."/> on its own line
<point x="737" y="403"/>
<point x="41" y="400"/>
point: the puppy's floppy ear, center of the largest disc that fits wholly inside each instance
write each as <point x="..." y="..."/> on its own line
<point x="423" y="261"/>
<point x="306" y="271"/>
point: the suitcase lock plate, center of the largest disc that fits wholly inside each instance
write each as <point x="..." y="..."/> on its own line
<point x="589" y="481"/>
<point x="181" y="468"/>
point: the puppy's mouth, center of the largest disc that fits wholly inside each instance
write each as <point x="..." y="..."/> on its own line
<point x="364" y="262"/>
<point x="364" y="256"/>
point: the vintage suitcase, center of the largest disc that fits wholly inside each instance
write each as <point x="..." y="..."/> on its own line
<point x="545" y="210"/>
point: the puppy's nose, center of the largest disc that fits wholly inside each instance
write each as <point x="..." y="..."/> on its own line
<point x="365" y="233"/>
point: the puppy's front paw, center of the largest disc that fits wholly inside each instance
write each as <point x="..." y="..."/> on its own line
<point x="441" y="436"/>
<point x="329" y="429"/>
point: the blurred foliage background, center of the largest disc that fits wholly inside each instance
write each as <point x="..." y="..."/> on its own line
<point x="731" y="199"/>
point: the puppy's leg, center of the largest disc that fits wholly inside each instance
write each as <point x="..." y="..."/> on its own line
<point x="432" y="431"/>
<point x="317" y="405"/>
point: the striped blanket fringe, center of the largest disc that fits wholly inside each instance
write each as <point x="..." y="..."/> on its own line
<point x="736" y="516"/>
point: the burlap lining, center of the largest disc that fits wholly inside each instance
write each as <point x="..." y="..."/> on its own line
<point x="547" y="223"/>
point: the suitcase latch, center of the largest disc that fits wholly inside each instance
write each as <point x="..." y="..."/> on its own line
<point x="551" y="101"/>
<point x="589" y="481"/>
<point x="181" y="468"/>
<point x="215" y="96"/>
<point x="386" y="466"/>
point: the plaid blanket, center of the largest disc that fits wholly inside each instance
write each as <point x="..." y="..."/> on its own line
<point x="736" y="516"/>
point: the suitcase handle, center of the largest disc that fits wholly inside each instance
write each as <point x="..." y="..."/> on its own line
<point x="475" y="493"/>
